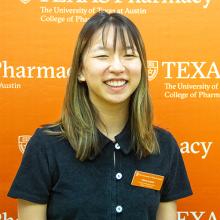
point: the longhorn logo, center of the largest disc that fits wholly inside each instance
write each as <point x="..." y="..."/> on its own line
<point x="22" y="142"/>
<point x="152" y="66"/>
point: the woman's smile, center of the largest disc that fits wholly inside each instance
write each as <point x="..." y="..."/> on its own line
<point x="116" y="86"/>
<point x="116" y="83"/>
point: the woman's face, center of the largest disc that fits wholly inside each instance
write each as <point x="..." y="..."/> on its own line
<point x="111" y="76"/>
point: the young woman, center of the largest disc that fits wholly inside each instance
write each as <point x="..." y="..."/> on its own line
<point x="103" y="159"/>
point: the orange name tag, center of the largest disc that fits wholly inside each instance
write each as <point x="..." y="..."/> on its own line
<point x="147" y="180"/>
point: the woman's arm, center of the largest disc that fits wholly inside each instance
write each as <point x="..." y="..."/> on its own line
<point x="167" y="211"/>
<point x="31" y="211"/>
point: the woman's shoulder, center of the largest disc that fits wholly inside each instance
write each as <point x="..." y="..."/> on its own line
<point x="162" y="132"/>
<point x="165" y="138"/>
<point x="47" y="134"/>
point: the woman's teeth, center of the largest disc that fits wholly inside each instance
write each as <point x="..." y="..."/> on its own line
<point x="116" y="83"/>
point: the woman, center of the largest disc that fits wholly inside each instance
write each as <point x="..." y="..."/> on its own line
<point x="103" y="159"/>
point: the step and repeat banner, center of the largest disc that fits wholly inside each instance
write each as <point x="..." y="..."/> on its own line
<point x="37" y="39"/>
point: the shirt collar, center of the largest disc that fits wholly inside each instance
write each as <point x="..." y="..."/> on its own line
<point x="124" y="139"/>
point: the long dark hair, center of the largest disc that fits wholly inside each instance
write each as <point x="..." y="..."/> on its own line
<point x="78" y="117"/>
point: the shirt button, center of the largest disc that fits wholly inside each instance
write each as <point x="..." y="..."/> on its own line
<point x="119" y="209"/>
<point x="117" y="146"/>
<point x="118" y="176"/>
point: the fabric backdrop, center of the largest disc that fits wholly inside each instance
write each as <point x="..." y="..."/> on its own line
<point x="37" y="39"/>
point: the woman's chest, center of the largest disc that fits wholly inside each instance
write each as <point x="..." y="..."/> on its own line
<point x="103" y="188"/>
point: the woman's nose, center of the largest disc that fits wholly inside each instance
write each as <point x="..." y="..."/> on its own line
<point x="116" y="65"/>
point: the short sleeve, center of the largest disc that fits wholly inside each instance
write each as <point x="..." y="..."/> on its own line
<point x="33" y="180"/>
<point x="176" y="184"/>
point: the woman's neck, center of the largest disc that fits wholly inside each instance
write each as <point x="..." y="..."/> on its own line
<point x="114" y="117"/>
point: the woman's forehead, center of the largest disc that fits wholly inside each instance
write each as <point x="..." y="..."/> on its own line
<point x="110" y="37"/>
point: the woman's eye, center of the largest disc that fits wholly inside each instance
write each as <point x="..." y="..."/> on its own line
<point x="129" y="55"/>
<point x="102" y="56"/>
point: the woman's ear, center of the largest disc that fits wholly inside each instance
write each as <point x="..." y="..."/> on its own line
<point x="81" y="77"/>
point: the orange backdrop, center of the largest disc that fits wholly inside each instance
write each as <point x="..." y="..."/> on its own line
<point x="37" y="39"/>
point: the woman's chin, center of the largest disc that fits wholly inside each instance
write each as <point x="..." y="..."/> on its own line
<point x="117" y="100"/>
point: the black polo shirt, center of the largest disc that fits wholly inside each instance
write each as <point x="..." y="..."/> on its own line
<point x="100" y="188"/>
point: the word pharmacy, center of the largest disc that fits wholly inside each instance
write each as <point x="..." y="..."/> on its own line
<point x="9" y="71"/>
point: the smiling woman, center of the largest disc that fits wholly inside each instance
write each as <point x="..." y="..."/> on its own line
<point x="104" y="158"/>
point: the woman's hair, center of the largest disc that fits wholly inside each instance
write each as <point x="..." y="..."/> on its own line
<point x="79" y="116"/>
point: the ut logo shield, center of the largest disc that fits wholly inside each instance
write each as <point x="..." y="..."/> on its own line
<point x="152" y="67"/>
<point x="25" y="1"/>
<point x="22" y="142"/>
